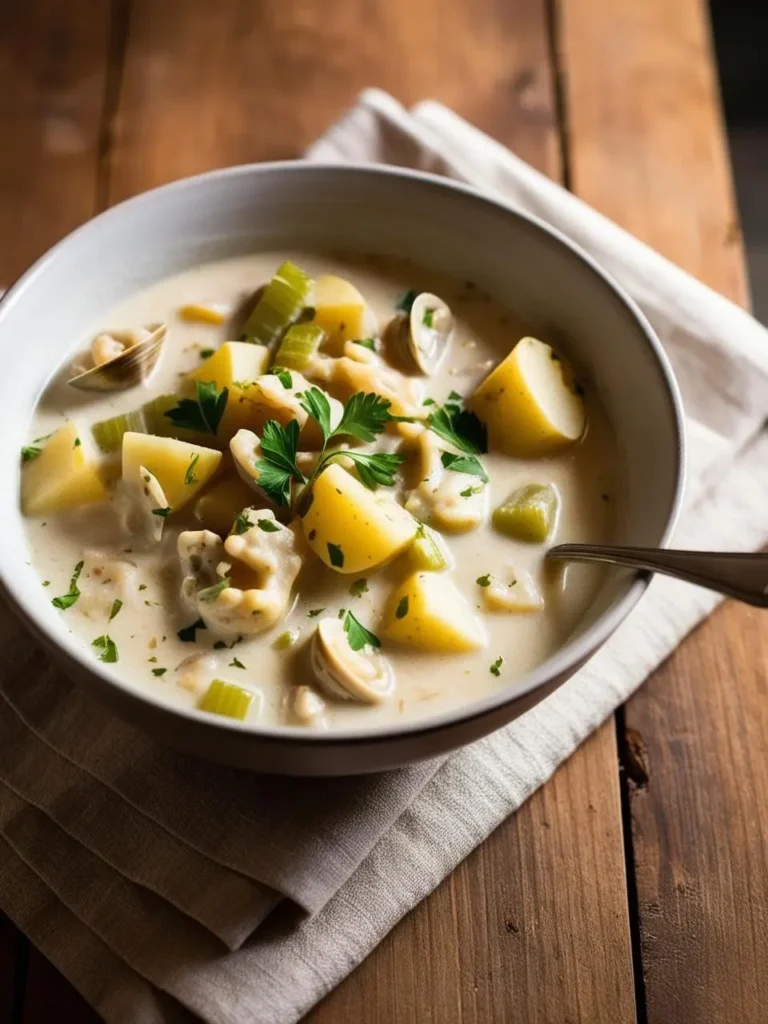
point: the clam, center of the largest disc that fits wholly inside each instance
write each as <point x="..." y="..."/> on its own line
<point x="420" y="338"/>
<point x="121" y="359"/>
<point x="142" y="507"/>
<point x="365" y="675"/>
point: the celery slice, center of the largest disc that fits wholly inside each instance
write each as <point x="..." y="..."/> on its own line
<point x="284" y="298"/>
<point x="528" y="514"/>
<point x="426" y="552"/>
<point x="298" y="346"/>
<point x="108" y="434"/>
<point x="222" y="698"/>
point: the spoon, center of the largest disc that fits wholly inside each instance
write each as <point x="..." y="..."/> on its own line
<point x="743" y="576"/>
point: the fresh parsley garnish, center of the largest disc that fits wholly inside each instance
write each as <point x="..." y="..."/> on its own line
<point x="77" y="443"/>
<point x="314" y="612"/>
<point x="358" y="636"/>
<point x="406" y="300"/>
<point x="484" y="581"/>
<point x="68" y="599"/>
<point x="117" y="604"/>
<point x="30" y="452"/>
<point x="459" y="427"/>
<point x="429" y="401"/>
<point x="206" y="353"/>
<point x="162" y="512"/>
<point x="402" y="608"/>
<point x="235" y="663"/>
<point x="366" y="343"/>
<point x="283" y="376"/>
<point x="202" y="413"/>
<point x="159" y="671"/>
<point x="496" y="666"/>
<point x="469" y="491"/>
<point x="464" y="464"/>
<point x="242" y="523"/>
<point x="108" y="648"/>
<point x="278" y="467"/>
<point x="428" y="317"/>
<point x="210" y="594"/>
<point x="358" y="588"/>
<point x="268" y="525"/>
<point x="455" y="397"/>
<point x="375" y="468"/>
<point x="219" y="645"/>
<point x="336" y="555"/>
<point x="187" y="634"/>
<point x="364" y="417"/>
<point x="189" y="476"/>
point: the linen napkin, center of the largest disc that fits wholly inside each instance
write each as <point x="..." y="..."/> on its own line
<point x="166" y="888"/>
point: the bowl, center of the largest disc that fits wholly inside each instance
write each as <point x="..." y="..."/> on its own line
<point x="557" y="288"/>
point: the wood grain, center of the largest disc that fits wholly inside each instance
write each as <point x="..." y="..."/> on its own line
<point x="648" y="149"/>
<point x="532" y="927"/>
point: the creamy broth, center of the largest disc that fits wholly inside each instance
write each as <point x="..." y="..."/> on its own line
<point x="147" y="579"/>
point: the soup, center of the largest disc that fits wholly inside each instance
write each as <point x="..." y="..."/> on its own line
<point x="339" y="519"/>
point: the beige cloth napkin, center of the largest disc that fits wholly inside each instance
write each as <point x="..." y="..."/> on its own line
<point x="166" y="888"/>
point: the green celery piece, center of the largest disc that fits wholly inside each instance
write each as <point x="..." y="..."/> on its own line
<point x="426" y="553"/>
<point x="222" y="698"/>
<point x="528" y="514"/>
<point x="298" y="346"/>
<point x="108" y="434"/>
<point x="284" y="298"/>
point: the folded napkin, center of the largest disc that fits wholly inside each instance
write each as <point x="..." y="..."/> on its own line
<point x="166" y="888"/>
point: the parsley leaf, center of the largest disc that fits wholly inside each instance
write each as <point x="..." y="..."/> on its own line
<point x="279" y="445"/>
<point x="236" y="663"/>
<point x="242" y="523"/>
<point x="68" y="599"/>
<point x="108" y="648"/>
<point x="364" y="417"/>
<point x="460" y="428"/>
<point x="406" y="300"/>
<point x="206" y="353"/>
<point x="316" y="405"/>
<point x="402" y="608"/>
<point x="336" y="555"/>
<point x="358" y="636"/>
<point x="30" y="452"/>
<point x="117" y="604"/>
<point x="484" y="581"/>
<point x="268" y="525"/>
<point x="496" y="666"/>
<point x="427" y="317"/>
<point x="159" y="671"/>
<point x="189" y="476"/>
<point x="274" y="481"/>
<point x="162" y="512"/>
<point x="375" y="468"/>
<point x="470" y="491"/>
<point x="202" y="413"/>
<point x="358" y="588"/>
<point x="283" y="376"/>
<point x="187" y="635"/>
<point x="366" y="343"/>
<point x="314" y="612"/>
<point x="220" y="645"/>
<point x="210" y="594"/>
<point x="464" y="464"/>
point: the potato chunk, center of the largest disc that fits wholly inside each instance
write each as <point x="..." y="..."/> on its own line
<point x="341" y="311"/>
<point x="180" y="468"/>
<point x="529" y="402"/>
<point x="428" y="612"/>
<point x="219" y="506"/>
<point x="513" y="591"/>
<point x="235" y="366"/>
<point x="351" y="528"/>
<point x="64" y="475"/>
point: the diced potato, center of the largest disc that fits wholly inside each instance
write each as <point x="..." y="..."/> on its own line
<point x="529" y="402"/>
<point x="64" y="475"/>
<point x="351" y="528"/>
<point x="269" y="399"/>
<point x="428" y="612"/>
<point x="340" y="310"/>
<point x="514" y="592"/>
<point x="428" y="551"/>
<point x="181" y="469"/>
<point x="218" y="507"/>
<point x="235" y="366"/>
<point x="203" y="313"/>
<point x="528" y="514"/>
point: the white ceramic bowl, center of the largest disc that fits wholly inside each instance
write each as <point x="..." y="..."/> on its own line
<point x="558" y="289"/>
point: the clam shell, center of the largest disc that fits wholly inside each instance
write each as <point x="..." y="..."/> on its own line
<point x="421" y="347"/>
<point x="337" y="668"/>
<point x="132" y="366"/>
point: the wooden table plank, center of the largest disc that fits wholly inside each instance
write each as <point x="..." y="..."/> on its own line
<point x="648" y="149"/>
<point x="201" y="86"/>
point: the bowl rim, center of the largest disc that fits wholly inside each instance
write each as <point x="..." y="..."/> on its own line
<point x="562" y="662"/>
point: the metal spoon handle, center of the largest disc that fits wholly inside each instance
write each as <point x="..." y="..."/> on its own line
<point x="744" y="577"/>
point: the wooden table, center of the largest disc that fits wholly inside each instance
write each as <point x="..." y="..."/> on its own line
<point x="633" y="885"/>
